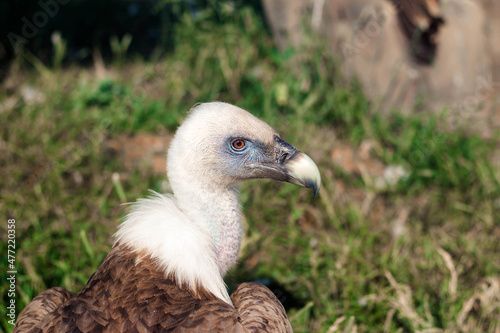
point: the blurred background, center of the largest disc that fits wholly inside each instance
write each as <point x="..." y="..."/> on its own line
<point x="397" y="101"/>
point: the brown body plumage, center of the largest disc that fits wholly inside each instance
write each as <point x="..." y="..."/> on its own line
<point x="129" y="294"/>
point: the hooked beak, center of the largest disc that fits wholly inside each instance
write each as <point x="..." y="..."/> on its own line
<point x="290" y="165"/>
<point x="302" y="171"/>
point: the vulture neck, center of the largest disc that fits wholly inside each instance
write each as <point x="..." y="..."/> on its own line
<point x="217" y="211"/>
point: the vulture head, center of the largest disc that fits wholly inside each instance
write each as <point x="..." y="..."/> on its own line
<point x="195" y="234"/>
<point x="220" y="145"/>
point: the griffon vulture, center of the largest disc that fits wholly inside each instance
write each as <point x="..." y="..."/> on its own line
<point x="165" y="271"/>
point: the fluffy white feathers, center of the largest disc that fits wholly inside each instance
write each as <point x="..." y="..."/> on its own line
<point x="182" y="249"/>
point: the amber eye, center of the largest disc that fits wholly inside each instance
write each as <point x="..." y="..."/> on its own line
<point x="238" y="144"/>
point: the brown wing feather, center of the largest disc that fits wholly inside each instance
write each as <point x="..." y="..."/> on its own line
<point x="40" y="307"/>
<point x="128" y="294"/>
<point x="259" y="309"/>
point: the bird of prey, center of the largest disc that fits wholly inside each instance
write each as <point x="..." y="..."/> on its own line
<point x="165" y="271"/>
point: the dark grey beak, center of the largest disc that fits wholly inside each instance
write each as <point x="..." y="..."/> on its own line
<point x="290" y="165"/>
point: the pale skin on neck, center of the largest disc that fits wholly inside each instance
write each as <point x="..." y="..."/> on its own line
<point x="217" y="211"/>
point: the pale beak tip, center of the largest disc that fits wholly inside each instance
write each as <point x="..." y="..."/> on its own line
<point x="305" y="172"/>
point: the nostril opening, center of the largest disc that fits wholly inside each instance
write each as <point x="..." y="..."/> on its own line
<point x="283" y="158"/>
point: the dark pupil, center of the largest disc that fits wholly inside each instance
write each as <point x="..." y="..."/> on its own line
<point x="238" y="144"/>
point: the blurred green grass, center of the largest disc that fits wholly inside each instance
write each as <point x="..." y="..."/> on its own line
<point x="345" y="273"/>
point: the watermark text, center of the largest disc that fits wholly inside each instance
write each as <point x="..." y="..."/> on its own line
<point x="11" y="271"/>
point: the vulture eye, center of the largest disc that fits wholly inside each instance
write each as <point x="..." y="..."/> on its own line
<point x="238" y="144"/>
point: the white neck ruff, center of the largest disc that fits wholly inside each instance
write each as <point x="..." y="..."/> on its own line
<point x="183" y="248"/>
